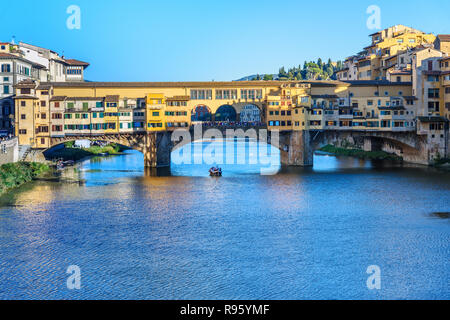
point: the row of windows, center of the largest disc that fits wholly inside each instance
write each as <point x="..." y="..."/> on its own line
<point x="177" y="103"/>
<point x="74" y="70"/>
<point x="178" y="113"/>
<point x="206" y="94"/>
<point x="76" y="115"/>
<point x="377" y="94"/>
<point x="6" y="68"/>
<point x="280" y="123"/>
<point x="370" y="124"/>
<point x="283" y="113"/>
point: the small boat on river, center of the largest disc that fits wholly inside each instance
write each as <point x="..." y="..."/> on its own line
<point x="215" y="172"/>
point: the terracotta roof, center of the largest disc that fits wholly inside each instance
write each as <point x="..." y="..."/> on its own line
<point x="432" y="73"/>
<point x="44" y="87"/>
<point x="178" y="98"/>
<point x="25" y="97"/>
<point x="85" y="98"/>
<point x="377" y="83"/>
<point x="444" y="37"/>
<point x="391" y="108"/>
<point x="432" y="119"/>
<point x="324" y="96"/>
<point x="58" y="98"/>
<point x="370" y="35"/>
<point x="12" y="56"/>
<point x="200" y="85"/>
<point x="8" y="56"/>
<point x="401" y="72"/>
<point x="114" y="98"/>
<point x="74" y="62"/>
<point x="26" y="84"/>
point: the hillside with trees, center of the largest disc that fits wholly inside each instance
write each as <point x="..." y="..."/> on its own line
<point x="318" y="70"/>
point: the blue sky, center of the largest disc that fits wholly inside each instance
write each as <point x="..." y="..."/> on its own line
<point x="173" y="40"/>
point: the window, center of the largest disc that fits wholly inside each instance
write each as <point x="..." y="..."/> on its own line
<point x="56" y="104"/>
<point x="433" y="106"/>
<point x="22" y="131"/>
<point x="226" y="94"/>
<point x="23" y="116"/>
<point x="201" y="94"/>
<point x="43" y="103"/>
<point x="98" y="104"/>
<point x="85" y="106"/>
<point x="6" y="89"/>
<point x="155" y="113"/>
<point x="6" y="68"/>
<point x="433" y="78"/>
<point x="25" y="91"/>
<point x="433" y="93"/>
<point x="70" y="105"/>
<point x="23" y="103"/>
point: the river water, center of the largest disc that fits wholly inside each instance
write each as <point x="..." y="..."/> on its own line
<point x="299" y="234"/>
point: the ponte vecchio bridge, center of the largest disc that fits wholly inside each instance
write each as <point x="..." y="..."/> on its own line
<point x="303" y="115"/>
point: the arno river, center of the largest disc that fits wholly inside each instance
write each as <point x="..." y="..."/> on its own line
<point x="300" y="234"/>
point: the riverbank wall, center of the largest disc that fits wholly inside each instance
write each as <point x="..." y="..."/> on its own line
<point x="9" y="151"/>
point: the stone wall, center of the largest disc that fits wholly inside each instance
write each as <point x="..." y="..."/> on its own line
<point x="9" y="151"/>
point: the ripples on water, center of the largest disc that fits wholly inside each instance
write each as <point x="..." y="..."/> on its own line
<point x="301" y="234"/>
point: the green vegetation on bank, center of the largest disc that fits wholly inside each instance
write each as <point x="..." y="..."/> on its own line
<point x="13" y="175"/>
<point x="441" y="162"/>
<point x="372" y="155"/>
<point x="75" y="154"/>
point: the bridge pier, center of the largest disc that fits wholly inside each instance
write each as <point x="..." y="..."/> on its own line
<point x="296" y="149"/>
<point x="157" y="149"/>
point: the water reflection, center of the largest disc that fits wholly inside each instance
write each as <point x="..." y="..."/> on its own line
<point x="236" y="157"/>
<point x="304" y="233"/>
